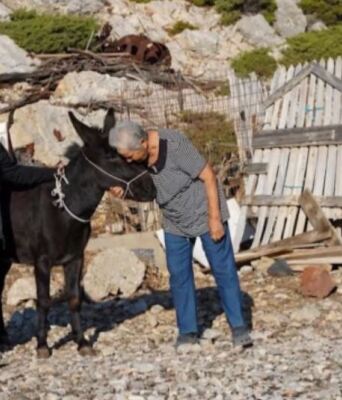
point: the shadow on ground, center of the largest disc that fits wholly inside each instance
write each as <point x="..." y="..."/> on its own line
<point x="107" y="315"/>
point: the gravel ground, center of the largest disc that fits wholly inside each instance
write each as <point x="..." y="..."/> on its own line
<point x="297" y="352"/>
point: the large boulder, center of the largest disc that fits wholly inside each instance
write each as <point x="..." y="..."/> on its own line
<point x="257" y="31"/>
<point x="112" y="272"/>
<point x="81" y="88"/>
<point x="290" y="19"/>
<point x="13" y="58"/>
<point x="49" y="129"/>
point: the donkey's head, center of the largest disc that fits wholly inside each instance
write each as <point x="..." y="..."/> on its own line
<point x="111" y="169"/>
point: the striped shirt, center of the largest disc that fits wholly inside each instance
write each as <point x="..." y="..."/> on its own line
<point x="181" y="195"/>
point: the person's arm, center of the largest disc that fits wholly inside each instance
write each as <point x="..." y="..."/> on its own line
<point x="216" y="228"/>
<point x="16" y="174"/>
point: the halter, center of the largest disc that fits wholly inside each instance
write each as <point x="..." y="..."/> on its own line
<point x="60" y="177"/>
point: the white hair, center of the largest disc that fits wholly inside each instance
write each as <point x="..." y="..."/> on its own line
<point x="127" y="135"/>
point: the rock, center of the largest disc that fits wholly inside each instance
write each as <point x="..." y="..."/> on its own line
<point x="290" y="19"/>
<point x="262" y="264"/>
<point x="308" y="313"/>
<point x="317" y="26"/>
<point x="258" y="31"/>
<point x="211" y="334"/>
<point x="204" y="43"/>
<point x="157" y="309"/>
<point x="280" y="268"/>
<point x="37" y="123"/>
<point x="245" y="270"/>
<point x="25" y="289"/>
<point x="13" y="58"/>
<point x="83" y="6"/>
<point x="113" y="271"/>
<point x="316" y="282"/>
<point x="4" y="13"/>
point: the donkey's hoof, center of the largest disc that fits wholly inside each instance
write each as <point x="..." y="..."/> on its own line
<point x="87" y="350"/>
<point x="43" y="352"/>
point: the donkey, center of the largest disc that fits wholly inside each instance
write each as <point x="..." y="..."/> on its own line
<point x="43" y="234"/>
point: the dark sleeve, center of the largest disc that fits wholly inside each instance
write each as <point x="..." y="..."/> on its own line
<point x="188" y="158"/>
<point x="16" y="174"/>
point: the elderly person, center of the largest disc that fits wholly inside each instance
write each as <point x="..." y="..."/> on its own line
<point x="193" y="205"/>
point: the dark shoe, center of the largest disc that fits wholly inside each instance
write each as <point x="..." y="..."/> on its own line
<point x="241" y="337"/>
<point x="187" y="339"/>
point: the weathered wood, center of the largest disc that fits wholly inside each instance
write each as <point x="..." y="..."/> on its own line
<point x="299" y="137"/>
<point x="316" y="260"/>
<point x="315" y="69"/>
<point x="311" y="253"/>
<point x="283" y="246"/>
<point x="290" y="200"/>
<point x="255" y="168"/>
<point x="316" y="216"/>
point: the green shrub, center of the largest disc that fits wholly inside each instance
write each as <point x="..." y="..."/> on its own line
<point x="258" y="61"/>
<point x="210" y="132"/>
<point x="232" y="10"/>
<point x="44" y="33"/>
<point x="328" y="11"/>
<point x="313" y="46"/>
<point x="179" y="27"/>
<point x="222" y="89"/>
<point x="202" y="3"/>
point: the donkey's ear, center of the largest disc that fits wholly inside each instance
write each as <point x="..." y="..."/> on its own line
<point x="86" y="133"/>
<point x="109" y="122"/>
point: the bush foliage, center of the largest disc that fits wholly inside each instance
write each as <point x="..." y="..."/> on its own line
<point x="328" y="11"/>
<point x="258" y="61"/>
<point x="179" y="27"/>
<point x="45" y="33"/>
<point x="313" y="46"/>
<point x="210" y="132"/>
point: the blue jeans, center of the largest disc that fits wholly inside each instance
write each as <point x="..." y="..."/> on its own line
<point x="221" y="259"/>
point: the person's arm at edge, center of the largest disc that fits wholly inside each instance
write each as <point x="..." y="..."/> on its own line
<point x="216" y="229"/>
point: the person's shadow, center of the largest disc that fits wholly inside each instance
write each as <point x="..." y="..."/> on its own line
<point x="107" y="315"/>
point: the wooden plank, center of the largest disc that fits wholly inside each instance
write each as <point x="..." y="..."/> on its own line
<point x="302" y="130"/>
<point x="269" y="109"/>
<point x="278" y="102"/>
<point x="290" y="84"/>
<point x="318" y="108"/>
<point x="289" y="183"/>
<point x="286" y="100"/>
<point x="268" y="189"/>
<point x="290" y="200"/>
<point x="316" y="216"/>
<point x="308" y="184"/>
<point x="294" y="99"/>
<point x="327" y="77"/>
<point x="319" y="252"/>
<point x="285" y="245"/>
<point x="309" y="115"/>
<point x="292" y="212"/>
<point x="250" y="186"/>
<point x="311" y="138"/>
<point x="317" y="260"/>
<point x="304" y="87"/>
<point x="278" y="190"/>
<point x="255" y="168"/>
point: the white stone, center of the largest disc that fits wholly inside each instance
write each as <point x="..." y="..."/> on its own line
<point x="204" y="43"/>
<point x="113" y="271"/>
<point x="36" y="123"/>
<point x="308" y="313"/>
<point x="258" y="31"/>
<point x="83" y="6"/>
<point x="290" y="19"/>
<point x="25" y="289"/>
<point x="317" y="26"/>
<point x="13" y="58"/>
<point x="4" y="13"/>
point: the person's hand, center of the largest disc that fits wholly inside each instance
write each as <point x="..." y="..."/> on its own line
<point x="216" y="229"/>
<point x="117" y="191"/>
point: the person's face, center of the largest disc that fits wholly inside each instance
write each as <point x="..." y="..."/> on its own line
<point x="139" y="155"/>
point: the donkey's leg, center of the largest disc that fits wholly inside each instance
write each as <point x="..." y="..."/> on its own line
<point x="5" y="265"/>
<point x="73" y="272"/>
<point x="42" y="274"/>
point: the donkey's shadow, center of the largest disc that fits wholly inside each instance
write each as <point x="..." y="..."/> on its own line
<point x="107" y="315"/>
